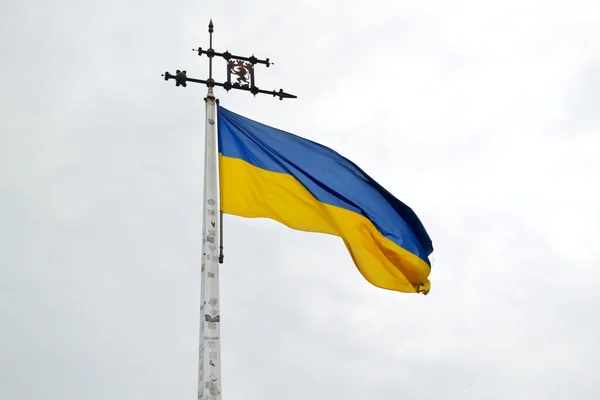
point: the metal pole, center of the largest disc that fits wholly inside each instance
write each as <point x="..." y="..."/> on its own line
<point x="209" y="370"/>
<point x="209" y="365"/>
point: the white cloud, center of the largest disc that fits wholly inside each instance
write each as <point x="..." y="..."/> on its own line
<point x="479" y="115"/>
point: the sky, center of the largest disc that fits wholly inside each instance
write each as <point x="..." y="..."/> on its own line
<point x="483" y="117"/>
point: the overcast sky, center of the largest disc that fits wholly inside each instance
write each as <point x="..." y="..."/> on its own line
<point x="483" y="116"/>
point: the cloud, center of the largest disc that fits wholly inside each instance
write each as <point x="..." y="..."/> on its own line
<point x="479" y="116"/>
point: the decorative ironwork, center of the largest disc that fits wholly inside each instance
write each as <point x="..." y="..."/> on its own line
<point x="243" y="70"/>
<point x="238" y="67"/>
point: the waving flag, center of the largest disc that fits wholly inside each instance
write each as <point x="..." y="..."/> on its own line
<point x="265" y="172"/>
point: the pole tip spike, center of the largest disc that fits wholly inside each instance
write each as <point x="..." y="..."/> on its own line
<point x="210" y="26"/>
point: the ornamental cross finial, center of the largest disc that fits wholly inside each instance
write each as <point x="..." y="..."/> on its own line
<point x="240" y="69"/>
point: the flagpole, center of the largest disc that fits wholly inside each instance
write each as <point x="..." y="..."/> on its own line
<point x="209" y="363"/>
<point x="209" y="368"/>
<point x="240" y="76"/>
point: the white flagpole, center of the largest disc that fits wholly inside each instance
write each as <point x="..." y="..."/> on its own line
<point x="209" y="365"/>
<point x="209" y="371"/>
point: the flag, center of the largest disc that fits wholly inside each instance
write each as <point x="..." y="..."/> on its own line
<point x="268" y="173"/>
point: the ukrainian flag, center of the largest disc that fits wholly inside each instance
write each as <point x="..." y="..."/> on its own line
<point x="265" y="172"/>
